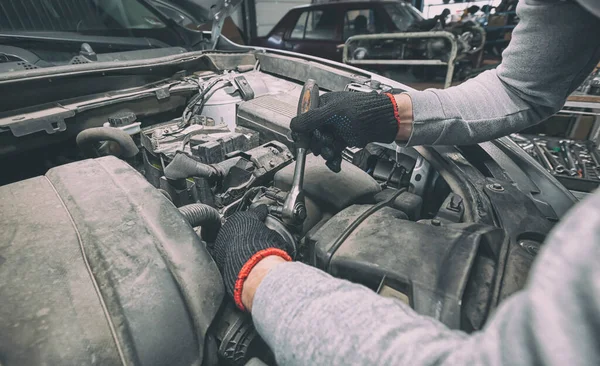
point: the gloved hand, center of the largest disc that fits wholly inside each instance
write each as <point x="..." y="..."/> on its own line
<point x="241" y="243"/>
<point x="348" y="119"/>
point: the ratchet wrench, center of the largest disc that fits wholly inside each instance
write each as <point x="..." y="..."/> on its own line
<point x="556" y="165"/>
<point x="294" y="208"/>
<point x="566" y="149"/>
<point x="542" y="156"/>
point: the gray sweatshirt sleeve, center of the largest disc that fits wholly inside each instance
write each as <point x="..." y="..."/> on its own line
<point x="554" y="48"/>
<point x="310" y="318"/>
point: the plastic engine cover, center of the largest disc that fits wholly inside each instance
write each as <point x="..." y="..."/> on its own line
<point x="430" y="267"/>
<point x="98" y="267"/>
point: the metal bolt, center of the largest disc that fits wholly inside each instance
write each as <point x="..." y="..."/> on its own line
<point x="527" y="147"/>
<point x="436" y="222"/>
<point x="496" y="187"/>
<point x="300" y="213"/>
<point x="530" y="246"/>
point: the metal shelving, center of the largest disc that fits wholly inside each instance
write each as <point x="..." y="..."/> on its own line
<point x="455" y="5"/>
<point x="494" y="28"/>
<point x="463" y="3"/>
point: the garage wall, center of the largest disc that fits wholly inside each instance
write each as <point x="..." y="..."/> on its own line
<point x="236" y="16"/>
<point x="269" y="12"/>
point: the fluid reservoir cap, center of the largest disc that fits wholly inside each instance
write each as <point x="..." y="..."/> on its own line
<point x="122" y="119"/>
<point x="87" y="52"/>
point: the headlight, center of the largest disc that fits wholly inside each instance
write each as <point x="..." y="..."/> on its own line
<point x="359" y="53"/>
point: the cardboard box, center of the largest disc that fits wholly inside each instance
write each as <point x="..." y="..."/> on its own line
<point x="497" y="20"/>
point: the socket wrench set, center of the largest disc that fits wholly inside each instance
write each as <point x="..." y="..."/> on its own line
<point x="576" y="164"/>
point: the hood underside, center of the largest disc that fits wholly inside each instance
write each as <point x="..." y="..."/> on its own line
<point x="593" y="6"/>
<point x="215" y="10"/>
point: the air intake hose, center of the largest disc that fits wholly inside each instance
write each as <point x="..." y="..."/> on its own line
<point x="86" y="139"/>
<point x="183" y="167"/>
<point x="199" y="214"/>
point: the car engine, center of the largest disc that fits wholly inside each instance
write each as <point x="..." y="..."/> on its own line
<point x="144" y="207"/>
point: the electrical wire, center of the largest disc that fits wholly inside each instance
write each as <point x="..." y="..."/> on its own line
<point x="188" y="111"/>
<point x="243" y="201"/>
<point x="196" y="109"/>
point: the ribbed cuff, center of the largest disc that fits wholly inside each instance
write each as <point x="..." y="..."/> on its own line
<point x="247" y="268"/>
<point x="395" y="105"/>
<point x="382" y="111"/>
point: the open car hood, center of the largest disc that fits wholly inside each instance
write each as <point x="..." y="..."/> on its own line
<point x="209" y="10"/>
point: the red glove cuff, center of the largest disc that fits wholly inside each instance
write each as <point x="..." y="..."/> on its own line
<point x="395" y="105"/>
<point x="247" y="268"/>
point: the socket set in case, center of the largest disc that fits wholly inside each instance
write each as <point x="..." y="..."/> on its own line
<point x="576" y="164"/>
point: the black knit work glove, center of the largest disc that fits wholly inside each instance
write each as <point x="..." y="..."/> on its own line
<point x="348" y="119"/>
<point x="241" y="243"/>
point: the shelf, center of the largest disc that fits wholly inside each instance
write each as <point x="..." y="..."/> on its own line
<point x="586" y="98"/>
<point x="497" y="41"/>
<point x="488" y="29"/>
<point x="463" y="3"/>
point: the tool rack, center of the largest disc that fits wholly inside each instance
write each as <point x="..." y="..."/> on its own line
<point x="575" y="163"/>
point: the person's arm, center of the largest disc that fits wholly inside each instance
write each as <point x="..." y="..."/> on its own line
<point x="310" y="318"/>
<point x="553" y="49"/>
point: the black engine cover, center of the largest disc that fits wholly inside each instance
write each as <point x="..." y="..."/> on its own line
<point x="447" y="272"/>
<point x="98" y="267"/>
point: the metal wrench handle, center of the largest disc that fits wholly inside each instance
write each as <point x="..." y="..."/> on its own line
<point x="569" y="157"/>
<point x="294" y="209"/>
<point x="556" y="165"/>
<point x="543" y="158"/>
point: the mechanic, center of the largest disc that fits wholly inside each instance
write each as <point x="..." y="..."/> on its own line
<point x="310" y="318"/>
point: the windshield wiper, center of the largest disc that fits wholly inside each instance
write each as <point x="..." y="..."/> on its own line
<point x="73" y="37"/>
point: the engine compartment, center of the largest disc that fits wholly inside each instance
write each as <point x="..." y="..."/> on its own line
<point x="393" y="219"/>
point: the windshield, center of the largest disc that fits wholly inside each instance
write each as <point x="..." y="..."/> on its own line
<point x="403" y="15"/>
<point x="46" y="33"/>
<point x="76" y="16"/>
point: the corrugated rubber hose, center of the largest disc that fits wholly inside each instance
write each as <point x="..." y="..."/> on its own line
<point x="86" y="139"/>
<point x="205" y="216"/>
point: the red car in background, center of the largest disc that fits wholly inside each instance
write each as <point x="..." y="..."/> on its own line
<point x="320" y="30"/>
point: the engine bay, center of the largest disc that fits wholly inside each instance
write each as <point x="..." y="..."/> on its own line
<point x="357" y="221"/>
<point x="392" y="219"/>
